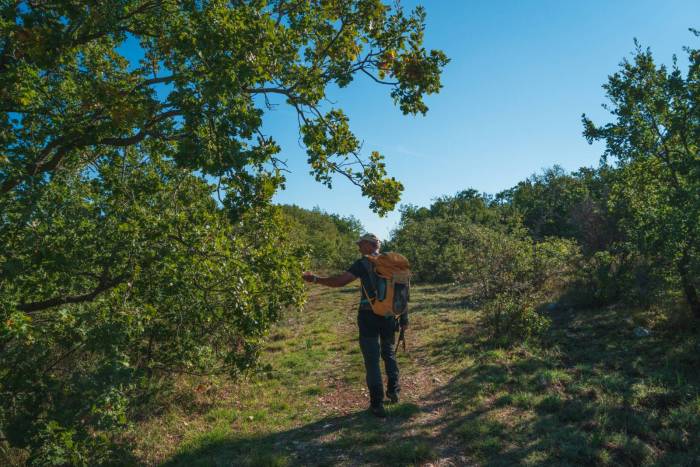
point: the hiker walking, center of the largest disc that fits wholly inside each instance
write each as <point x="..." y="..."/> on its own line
<point x="376" y="332"/>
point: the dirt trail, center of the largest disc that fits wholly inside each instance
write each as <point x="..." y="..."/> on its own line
<point x="314" y="410"/>
<point x="420" y="381"/>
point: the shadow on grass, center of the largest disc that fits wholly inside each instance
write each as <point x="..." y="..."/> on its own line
<point x="591" y="393"/>
<point x="356" y="438"/>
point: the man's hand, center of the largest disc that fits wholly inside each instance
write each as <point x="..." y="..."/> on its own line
<point x="309" y="277"/>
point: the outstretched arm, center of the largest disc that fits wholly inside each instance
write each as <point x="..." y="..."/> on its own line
<point x="333" y="281"/>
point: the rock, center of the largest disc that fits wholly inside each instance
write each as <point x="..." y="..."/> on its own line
<point x="641" y="332"/>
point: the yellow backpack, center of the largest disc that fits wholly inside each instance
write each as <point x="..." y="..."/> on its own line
<point x="390" y="275"/>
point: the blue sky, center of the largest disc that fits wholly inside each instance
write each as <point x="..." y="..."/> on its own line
<point x="521" y="74"/>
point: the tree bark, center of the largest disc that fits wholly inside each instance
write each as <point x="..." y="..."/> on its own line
<point x="691" y="295"/>
<point x="689" y="289"/>
<point x="104" y="285"/>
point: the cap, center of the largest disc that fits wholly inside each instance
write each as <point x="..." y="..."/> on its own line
<point x="368" y="237"/>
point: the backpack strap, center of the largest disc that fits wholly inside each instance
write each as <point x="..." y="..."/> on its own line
<point x="371" y="274"/>
<point x="367" y="299"/>
<point x="372" y="278"/>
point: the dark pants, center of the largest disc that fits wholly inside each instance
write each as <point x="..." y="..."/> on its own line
<point x="377" y="338"/>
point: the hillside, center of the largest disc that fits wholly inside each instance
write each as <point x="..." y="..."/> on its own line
<point x="590" y="392"/>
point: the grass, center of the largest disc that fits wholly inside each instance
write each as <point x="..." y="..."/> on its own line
<point x="589" y="393"/>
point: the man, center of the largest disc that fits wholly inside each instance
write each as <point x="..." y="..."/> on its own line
<point x="376" y="332"/>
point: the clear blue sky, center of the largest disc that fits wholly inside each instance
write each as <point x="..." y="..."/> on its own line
<point x="521" y="75"/>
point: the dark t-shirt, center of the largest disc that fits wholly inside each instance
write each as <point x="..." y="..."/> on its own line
<point x="359" y="270"/>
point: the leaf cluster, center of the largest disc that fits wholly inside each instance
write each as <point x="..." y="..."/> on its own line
<point x="208" y="73"/>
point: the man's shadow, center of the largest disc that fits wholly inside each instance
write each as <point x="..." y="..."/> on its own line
<point x="355" y="438"/>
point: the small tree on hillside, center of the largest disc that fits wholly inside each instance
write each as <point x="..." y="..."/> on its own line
<point x="655" y="140"/>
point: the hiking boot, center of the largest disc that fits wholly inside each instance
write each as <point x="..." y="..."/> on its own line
<point x="393" y="397"/>
<point x="378" y="411"/>
<point x="392" y="392"/>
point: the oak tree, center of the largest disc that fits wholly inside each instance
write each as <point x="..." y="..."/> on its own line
<point x="137" y="236"/>
<point x="654" y="140"/>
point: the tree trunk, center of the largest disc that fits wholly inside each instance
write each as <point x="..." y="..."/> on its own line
<point x="691" y="293"/>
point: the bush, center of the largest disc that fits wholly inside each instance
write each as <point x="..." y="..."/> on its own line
<point x="495" y="262"/>
<point x="518" y="274"/>
<point x="608" y="277"/>
<point x="470" y="239"/>
<point x="492" y="261"/>
<point x="119" y="281"/>
<point x="436" y="239"/>
<point x="509" y="318"/>
<point x="327" y="239"/>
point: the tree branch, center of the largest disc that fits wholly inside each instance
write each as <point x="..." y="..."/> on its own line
<point x="390" y="83"/>
<point x="664" y="154"/>
<point x="63" y="146"/>
<point x="282" y="91"/>
<point x="149" y="82"/>
<point x="104" y="285"/>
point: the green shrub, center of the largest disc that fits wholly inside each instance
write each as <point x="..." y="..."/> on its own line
<point x="508" y="318"/>
<point x="492" y="259"/>
<point x="436" y="240"/>
<point x="327" y="239"/>
<point x="499" y="262"/>
<point x="145" y="276"/>
<point x="617" y="276"/>
<point x="508" y="263"/>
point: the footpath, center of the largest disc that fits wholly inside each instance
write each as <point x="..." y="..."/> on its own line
<point x="307" y="404"/>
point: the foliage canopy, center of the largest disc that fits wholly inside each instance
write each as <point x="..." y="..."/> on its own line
<point x="654" y="143"/>
<point x="137" y="238"/>
<point x="328" y="239"/>
<point x="201" y="88"/>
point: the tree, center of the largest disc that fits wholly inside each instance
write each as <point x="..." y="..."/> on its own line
<point x="546" y="201"/>
<point x="569" y="205"/>
<point x="137" y="238"/>
<point x="121" y="278"/>
<point x="431" y="238"/>
<point x="69" y="96"/>
<point x="654" y="142"/>
<point x="328" y="239"/>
